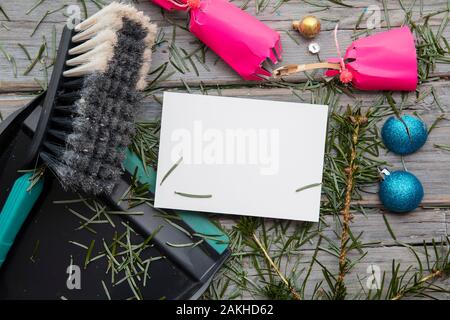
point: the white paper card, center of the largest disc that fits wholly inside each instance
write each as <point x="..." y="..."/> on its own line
<point x="241" y="156"/>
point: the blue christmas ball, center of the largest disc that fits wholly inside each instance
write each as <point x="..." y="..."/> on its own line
<point x="400" y="191"/>
<point x="396" y="138"/>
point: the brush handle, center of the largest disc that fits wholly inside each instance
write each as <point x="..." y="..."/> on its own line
<point x="20" y="201"/>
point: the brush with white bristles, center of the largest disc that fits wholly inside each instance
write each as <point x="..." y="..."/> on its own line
<point x="91" y="121"/>
<point x="98" y="35"/>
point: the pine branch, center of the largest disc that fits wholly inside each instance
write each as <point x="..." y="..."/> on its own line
<point x="419" y="284"/>
<point x="291" y="289"/>
<point x="357" y="121"/>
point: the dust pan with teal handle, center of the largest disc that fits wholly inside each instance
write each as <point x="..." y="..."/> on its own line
<point x="197" y="263"/>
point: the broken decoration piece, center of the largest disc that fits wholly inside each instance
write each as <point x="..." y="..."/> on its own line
<point x="314" y="48"/>
<point x="383" y="61"/>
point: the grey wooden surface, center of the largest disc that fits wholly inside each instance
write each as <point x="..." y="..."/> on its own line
<point x="431" y="165"/>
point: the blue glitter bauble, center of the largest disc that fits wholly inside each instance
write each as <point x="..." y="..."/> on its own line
<point x="396" y="138"/>
<point x="400" y="191"/>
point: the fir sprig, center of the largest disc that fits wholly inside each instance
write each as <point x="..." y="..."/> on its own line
<point x="145" y="143"/>
<point x="357" y="121"/>
<point x="432" y="45"/>
<point x="418" y="283"/>
<point x="3" y="12"/>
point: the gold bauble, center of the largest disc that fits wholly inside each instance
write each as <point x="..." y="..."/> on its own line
<point x="308" y="27"/>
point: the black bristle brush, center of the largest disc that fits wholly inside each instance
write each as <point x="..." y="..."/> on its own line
<point x="87" y="117"/>
<point x="87" y="122"/>
<point x="96" y="98"/>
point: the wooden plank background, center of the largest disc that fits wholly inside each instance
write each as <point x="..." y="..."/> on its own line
<point x="431" y="165"/>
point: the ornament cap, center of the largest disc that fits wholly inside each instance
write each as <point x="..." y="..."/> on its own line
<point x="383" y="172"/>
<point x="314" y="47"/>
<point x="296" y="24"/>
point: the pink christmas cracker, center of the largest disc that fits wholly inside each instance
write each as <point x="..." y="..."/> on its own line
<point x="241" y="40"/>
<point x="384" y="61"/>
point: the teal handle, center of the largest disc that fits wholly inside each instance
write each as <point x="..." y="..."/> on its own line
<point x="198" y="222"/>
<point x="16" y="209"/>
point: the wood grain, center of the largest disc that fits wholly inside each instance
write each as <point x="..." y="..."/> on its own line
<point x="430" y="164"/>
<point x="218" y="72"/>
<point x="380" y="257"/>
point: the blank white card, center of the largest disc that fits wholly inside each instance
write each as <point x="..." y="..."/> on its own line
<point x="241" y="156"/>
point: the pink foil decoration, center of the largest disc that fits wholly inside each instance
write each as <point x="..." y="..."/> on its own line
<point x="238" y="38"/>
<point x="384" y="61"/>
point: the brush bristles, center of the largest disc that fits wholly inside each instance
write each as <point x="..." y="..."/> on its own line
<point x="112" y="8"/>
<point x="113" y="63"/>
<point x="95" y="60"/>
<point x="100" y="31"/>
<point x="105" y="36"/>
<point x="110" y="17"/>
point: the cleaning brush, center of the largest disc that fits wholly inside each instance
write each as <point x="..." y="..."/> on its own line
<point x="87" y="117"/>
<point x="113" y="60"/>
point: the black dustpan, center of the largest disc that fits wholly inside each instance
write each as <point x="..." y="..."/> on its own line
<point x="38" y="264"/>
